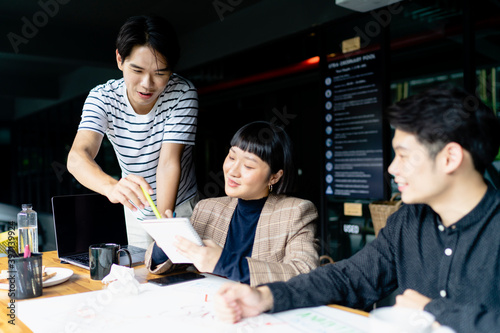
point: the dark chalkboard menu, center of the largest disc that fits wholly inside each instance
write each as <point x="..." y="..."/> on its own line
<point x="354" y="165"/>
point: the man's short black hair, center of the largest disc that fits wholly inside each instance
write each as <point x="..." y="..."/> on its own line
<point x="446" y="114"/>
<point x="155" y="32"/>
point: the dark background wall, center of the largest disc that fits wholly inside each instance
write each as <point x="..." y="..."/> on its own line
<point x="53" y="52"/>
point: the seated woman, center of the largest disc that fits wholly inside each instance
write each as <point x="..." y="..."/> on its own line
<point x="256" y="234"/>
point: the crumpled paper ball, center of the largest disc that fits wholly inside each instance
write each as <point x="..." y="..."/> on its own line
<point x="122" y="280"/>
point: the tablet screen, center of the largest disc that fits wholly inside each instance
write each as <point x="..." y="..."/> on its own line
<point x="183" y="277"/>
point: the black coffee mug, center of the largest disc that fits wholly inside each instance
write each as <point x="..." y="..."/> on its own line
<point x="102" y="257"/>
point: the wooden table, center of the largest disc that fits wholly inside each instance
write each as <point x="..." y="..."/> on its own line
<point x="79" y="282"/>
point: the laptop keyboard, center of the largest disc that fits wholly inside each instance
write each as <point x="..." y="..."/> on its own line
<point x="133" y="249"/>
<point x="81" y="258"/>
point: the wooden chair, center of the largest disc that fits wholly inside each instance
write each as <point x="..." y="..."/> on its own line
<point x="325" y="260"/>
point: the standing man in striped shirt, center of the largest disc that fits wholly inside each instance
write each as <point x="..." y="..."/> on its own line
<point x="150" y="118"/>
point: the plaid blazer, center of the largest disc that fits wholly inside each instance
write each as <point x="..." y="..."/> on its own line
<point x="284" y="244"/>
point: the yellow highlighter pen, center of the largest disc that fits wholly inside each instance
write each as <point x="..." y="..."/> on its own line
<point x="151" y="203"/>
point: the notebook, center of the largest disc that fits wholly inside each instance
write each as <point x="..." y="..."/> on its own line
<point x="85" y="219"/>
<point x="163" y="231"/>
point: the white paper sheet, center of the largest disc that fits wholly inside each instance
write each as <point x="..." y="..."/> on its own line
<point x="186" y="307"/>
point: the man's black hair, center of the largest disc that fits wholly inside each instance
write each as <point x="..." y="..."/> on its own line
<point x="155" y="32"/>
<point x="446" y="114"/>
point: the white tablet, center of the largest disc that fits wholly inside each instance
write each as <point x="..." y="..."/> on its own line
<point x="163" y="231"/>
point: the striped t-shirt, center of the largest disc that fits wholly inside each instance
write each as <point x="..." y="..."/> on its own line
<point x="137" y="139"/>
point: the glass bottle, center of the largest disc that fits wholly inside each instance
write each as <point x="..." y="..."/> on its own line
<point x="27" y="224"/>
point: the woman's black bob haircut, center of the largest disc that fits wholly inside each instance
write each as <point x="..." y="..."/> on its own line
<point x="152" y="31"/>
<point x="273" y="146"/>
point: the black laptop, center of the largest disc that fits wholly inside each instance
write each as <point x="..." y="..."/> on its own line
<point x="84" y="219"/>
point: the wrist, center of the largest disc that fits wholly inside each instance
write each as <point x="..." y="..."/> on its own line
<point x="107" y="187"/>
<point x="266" y="297"/>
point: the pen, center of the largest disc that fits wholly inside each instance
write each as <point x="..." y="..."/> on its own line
<point x="151" y="203"/>
<point x="27" y="252"/>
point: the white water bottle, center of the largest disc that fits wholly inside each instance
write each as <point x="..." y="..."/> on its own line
<point x="27" y="224"/>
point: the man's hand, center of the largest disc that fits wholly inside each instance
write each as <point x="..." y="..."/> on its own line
<point x="128" y="190"/>
<point x="412" y="299"/>
<point x="235" y="301"/>
<point x="415" y="300"/>
<point x="204" y="257"/>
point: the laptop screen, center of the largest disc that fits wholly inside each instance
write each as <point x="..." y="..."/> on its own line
<point x="85" y="219"/>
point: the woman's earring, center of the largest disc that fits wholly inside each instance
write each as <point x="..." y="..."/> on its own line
<point x="270" y="188"/>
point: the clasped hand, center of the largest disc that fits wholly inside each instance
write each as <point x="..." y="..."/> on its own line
<point x="412" y="299"/>
<point x="204" y="258"/>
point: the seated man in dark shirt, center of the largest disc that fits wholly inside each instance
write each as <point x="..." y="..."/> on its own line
<point x="441" y="248"/>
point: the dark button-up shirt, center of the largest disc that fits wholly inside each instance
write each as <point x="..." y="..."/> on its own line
<point x="457" y="267"/>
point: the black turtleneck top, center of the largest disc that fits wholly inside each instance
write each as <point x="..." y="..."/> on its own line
<point x="239" y="241"/>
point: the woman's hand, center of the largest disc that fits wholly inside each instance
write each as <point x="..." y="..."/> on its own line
<point x="204" y="257"/>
